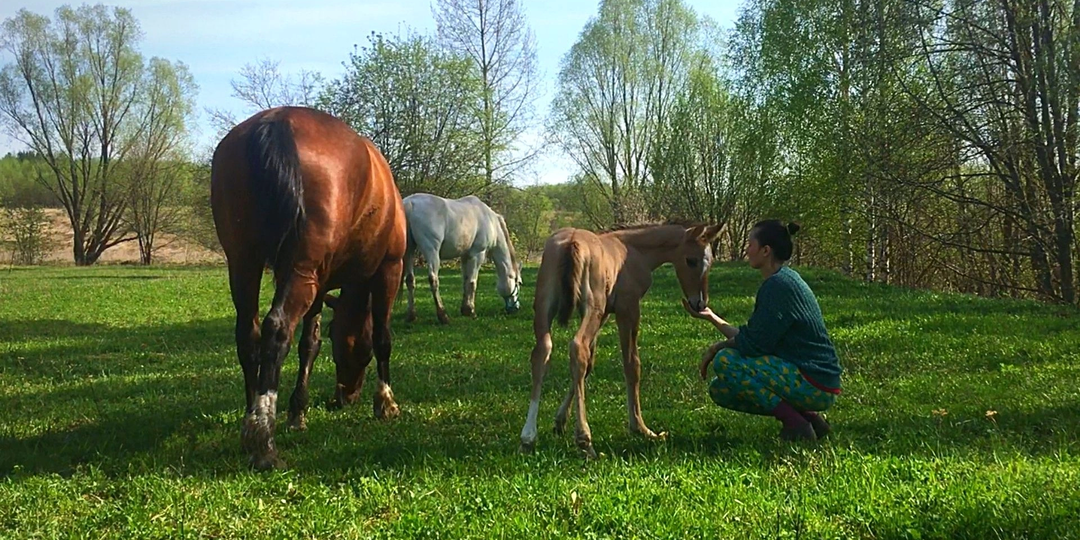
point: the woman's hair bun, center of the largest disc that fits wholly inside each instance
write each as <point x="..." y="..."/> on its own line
<point x="792" y="228"/>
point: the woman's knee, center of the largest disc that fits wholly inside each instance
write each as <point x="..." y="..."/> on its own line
<point x="726" y="362"/>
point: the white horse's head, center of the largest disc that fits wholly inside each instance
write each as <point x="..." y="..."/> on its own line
<point x="509" y="285"/>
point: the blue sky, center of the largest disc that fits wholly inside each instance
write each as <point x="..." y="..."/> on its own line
<point x="215" y="38"/>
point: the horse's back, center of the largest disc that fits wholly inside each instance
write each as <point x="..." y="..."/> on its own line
<point x="452" y="226"/>
<point x="352" y="205"/>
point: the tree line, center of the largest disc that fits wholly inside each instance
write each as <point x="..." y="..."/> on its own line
<point x="925" y="143"/>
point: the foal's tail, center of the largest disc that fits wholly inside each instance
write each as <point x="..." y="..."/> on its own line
<point x="279" y="192"/>
<point x="571" y="272"/>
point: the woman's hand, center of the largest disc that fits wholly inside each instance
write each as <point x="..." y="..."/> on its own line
<point x="705" y="314"/>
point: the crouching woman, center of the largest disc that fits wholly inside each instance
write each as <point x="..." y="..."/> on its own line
<point x="781" y="363"/>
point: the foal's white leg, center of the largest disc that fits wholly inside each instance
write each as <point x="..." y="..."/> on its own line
<point x="541" y="354"/>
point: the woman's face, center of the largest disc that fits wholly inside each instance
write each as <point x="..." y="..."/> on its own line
<point x="757" y="255"/>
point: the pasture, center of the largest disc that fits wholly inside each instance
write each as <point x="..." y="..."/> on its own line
<point x="121" y="398"/>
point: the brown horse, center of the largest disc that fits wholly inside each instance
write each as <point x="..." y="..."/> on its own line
<point x="299" y="191"/>
<point x="601" y="274"/>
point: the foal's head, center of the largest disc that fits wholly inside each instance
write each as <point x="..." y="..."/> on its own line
<point x="692" y="263"/>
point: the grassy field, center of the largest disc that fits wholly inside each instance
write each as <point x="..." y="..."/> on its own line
<point x="120" y="405"/>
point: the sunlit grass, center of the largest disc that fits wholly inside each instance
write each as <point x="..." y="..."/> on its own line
<point x="120" y="400"/>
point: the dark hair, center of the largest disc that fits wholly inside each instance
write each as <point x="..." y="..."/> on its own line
<point x="774" y="234"/>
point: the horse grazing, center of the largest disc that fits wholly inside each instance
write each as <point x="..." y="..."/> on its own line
<point x="299" y="191"/>
<point x="601" y="274"/>
<point x="467" y="228"/>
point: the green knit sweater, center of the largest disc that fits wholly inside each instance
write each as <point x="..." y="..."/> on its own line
<point x="787" y="322"/>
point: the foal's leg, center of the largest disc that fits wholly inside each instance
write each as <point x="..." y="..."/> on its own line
<point x="244" y="280"/>
<point x="541" y="354"/>
<point x="579" y="367"/>
<point x="310" y="342"/>
<point x="293" y="297"/>
<point x="432" y="256"/>
<point x="568" y="402"/>
<point x="410" y="282"/>
<point x="628" y="320"/>
<point x="384" y="288"/>
<point x="470" y="268"/>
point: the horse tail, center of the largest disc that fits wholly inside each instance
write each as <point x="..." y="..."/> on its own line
<point x="571" y="271"/>
<point x="278" y="189"/>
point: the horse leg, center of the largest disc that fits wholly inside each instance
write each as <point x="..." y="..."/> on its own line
<point x="628" y="320"/>
<point x="433" y="261"/>
<point x="384" y="288"/>
<point x="244" y="282"/>
<point x="470" y="268"/>
<point x="310" y="342"/>
<point x="410" y="282"/>
<point x="351" y="375"/>
<point x="579" y="368"/>
<point x="568" y="402"/>
<point x="293" y="297"/>
<point x="541" y="354"/>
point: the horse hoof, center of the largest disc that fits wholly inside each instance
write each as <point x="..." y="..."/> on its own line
<point x="559" y="426"/>
<point x="443" y="319"/>
<point x="298" y="423"/>
<point x="587" y="450"/>
<point x="266" y="462"/>
<point x="387" y="412"/>
<point x="527" y="448"/>
<point x="410" y="317"/>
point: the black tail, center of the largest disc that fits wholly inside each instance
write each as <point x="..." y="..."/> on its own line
<point x="569" y="282"/>
<point x="279" y="192"/>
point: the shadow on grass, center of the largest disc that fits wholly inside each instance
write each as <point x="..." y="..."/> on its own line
<point x="160" y="401"/>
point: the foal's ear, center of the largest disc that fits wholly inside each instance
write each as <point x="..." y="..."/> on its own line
<point x="330" y="300"/>
<point x="712" y="233"/>
<point x="694" y="233"/>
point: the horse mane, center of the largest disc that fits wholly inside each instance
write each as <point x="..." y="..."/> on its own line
<point x="637" y="226"/>
<point x="509" y="243"/>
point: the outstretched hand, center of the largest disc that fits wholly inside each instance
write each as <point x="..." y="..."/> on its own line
<point x="706" y="314"/>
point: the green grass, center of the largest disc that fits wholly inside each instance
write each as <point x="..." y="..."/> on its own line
<point x="120" y="405"/>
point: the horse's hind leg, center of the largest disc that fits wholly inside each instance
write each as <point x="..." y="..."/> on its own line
<point x="567" y="404"/>
<point x="293" y="297"/>
<point x="410" y="282"/>
<point x="470" y="268"/>
<point x="541" y="354"/>
<point x="244" y="281"/>
<point x="310" y="342"/>
<point x="580" y="361"/>
<point x="384" y="288"/>
<point x="432" y="256"/>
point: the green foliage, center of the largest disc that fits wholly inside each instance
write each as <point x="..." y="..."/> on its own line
<point x="28" y="233"/>
<point x="415" y="102"/>
<point x="958" y="420"/>
<point x="19" y="184"/>
<point x="79" y="93"/>
<point x="529" y="216"/>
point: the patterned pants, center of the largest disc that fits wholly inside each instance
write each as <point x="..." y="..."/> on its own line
<point x="756" y="385"/>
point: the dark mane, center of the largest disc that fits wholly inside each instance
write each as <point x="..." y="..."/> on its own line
<point x="626" y="227"/>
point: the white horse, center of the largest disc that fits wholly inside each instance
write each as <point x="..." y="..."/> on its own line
<point x="464" y="228"/>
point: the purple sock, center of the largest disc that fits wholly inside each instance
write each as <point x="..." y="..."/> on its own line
<point x="791" y="418"/>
